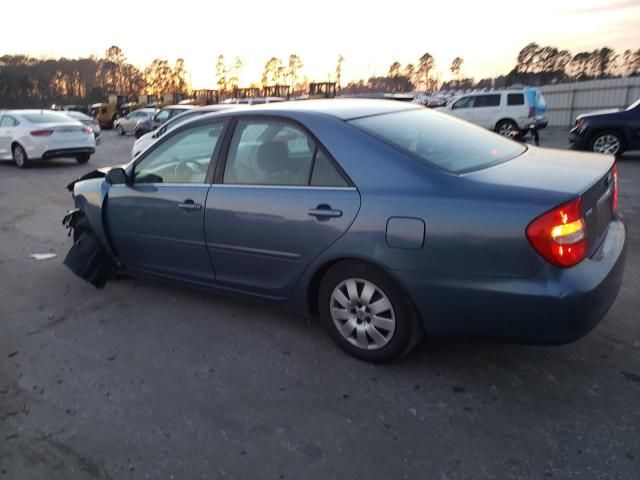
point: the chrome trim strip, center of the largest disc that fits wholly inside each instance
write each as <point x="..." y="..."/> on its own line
<point x="254" y="251"/>
<point x="283" y="187"/>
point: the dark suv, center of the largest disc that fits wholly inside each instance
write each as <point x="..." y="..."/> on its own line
<point x="610" y="131"/>
<point x="159" y="118"/>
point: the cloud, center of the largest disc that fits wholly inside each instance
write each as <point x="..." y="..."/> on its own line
<point x="607" y="7"/>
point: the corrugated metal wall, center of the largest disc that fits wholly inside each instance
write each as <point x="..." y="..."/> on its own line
<point x="565" y="101"/>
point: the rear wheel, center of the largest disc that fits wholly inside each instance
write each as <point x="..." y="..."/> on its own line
<point x="366" y="313"/>
<point x="120" y="130"/>
<point x="20" y="156"/>
<point x="507" y="128"/>
<point x="607" y="142"/>
<point x="84" y="158"/>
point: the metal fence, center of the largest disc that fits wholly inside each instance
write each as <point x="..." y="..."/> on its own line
<point x="567" y="100"/>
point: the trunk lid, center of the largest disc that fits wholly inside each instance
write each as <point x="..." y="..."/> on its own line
<point x="551" y="177"/>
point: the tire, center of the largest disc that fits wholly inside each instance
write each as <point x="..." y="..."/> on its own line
<point x="507" y="128"/>
<point x="20" y="156"/>
<point x="84" y="158"/>
<point x="608" y="142"/>
<point x="120" y="130"/>
<point x="138" y="133"/>
<point x="374" y="338"/>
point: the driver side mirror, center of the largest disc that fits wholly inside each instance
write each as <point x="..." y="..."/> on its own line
<point x="116" y="176"/>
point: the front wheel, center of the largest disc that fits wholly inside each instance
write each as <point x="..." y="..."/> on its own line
<point x="20" y="156"/>
<point x="138" y="133"/>
<point x="84" y="158"/>
<point x="366" y="313"/>
<point x="120" y="130"/>
<point x="609" y="143"/>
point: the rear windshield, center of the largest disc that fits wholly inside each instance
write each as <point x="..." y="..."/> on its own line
<point x="440" y="140"/>
<point x="46" y="117"/>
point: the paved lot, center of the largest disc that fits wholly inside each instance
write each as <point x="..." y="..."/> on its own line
<point x="148" y="380"/>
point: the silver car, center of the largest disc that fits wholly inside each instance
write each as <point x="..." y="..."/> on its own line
<point x="128" y="124"/>
<point x="87" y="121"/>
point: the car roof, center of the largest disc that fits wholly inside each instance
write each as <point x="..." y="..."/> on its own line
<point x="343" y="109"/>
<point x="178" y="107"/>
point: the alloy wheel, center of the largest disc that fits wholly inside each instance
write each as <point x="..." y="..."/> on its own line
<point x="506" y="130"/>
<point x="363" y="314"/>
<point x="19" y="156"/>
<point x="608" y="144"/>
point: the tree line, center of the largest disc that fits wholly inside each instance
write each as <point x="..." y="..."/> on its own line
<point x="31" y="82"/>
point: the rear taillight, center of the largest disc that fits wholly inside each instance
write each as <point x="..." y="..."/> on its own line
<point x="532" y="112"/>
<point x="41" y="133"/>
<point x="87" y="130"/>
<point x="559" y="235"/>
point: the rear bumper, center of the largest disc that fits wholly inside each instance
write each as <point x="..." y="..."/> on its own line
<point x="556" y="306"/>
<point x="67" y="152"/>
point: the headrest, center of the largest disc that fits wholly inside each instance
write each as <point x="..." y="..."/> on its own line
<point x="273" y="157"/>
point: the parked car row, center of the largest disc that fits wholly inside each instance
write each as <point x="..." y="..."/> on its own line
<point x="27" y="135"/>
<point x="387" y="220"/>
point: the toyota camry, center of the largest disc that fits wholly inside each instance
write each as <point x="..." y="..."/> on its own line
<point x="387" y="220"/>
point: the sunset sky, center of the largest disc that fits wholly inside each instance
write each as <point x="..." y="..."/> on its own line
<point x="370" y="35"/>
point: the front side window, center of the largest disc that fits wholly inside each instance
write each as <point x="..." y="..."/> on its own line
<point x="435" y="139"/>
<point x="465" y="102"/>
<point x="269" y="152"/>
<point x="183" y="158"/>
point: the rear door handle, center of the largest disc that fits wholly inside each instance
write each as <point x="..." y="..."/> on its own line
<point x="190" y="205"/>
<point x="325" y="211"/>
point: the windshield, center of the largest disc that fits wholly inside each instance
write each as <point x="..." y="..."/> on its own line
<point x="178" y="120"/>
<point x="634" y="105"/>
<point x="46" y="117"/>
<point x="440" y="140"/>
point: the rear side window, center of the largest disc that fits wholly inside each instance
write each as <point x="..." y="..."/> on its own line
<point x="8" y="121"/>
<point x="440" y="140"/>
<point x="269" y="152"/>
<point x="324" y="173"/>
<point x="487" y="101"/>
<point x="515" y="99"/>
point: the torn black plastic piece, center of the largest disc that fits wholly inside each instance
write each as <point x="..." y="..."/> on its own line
<point x="89" y="260"/>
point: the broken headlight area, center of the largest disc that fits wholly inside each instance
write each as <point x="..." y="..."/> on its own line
<point x="87" y="258"/>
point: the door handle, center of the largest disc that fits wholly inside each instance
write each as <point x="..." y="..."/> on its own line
<point x="190" y="205"/>
<point x="325" y="211"/>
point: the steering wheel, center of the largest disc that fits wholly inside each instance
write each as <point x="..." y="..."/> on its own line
<point x="187" y="170"/>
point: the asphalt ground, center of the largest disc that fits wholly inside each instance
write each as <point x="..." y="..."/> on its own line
<point x="151" y="380"/>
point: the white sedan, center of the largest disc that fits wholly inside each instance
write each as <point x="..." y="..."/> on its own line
<point x="43" y="134"/>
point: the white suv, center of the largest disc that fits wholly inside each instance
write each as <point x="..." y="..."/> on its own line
<point x="505" y="111"/>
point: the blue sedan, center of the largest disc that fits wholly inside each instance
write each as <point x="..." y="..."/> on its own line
<point x="388" y="221"/>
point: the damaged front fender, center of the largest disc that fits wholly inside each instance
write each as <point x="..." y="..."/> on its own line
<point x="91" y="256"/>
<point x="90" y="197"/>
